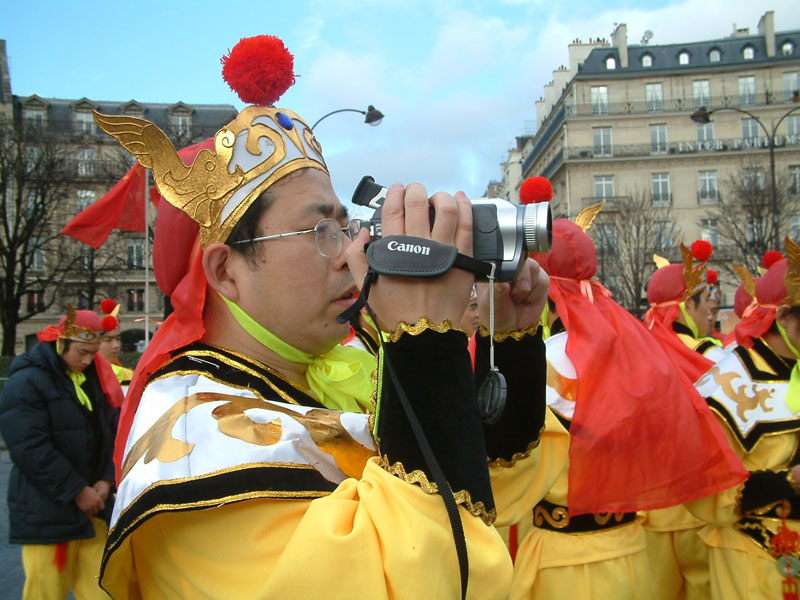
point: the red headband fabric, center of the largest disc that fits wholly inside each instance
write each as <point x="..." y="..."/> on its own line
<point x="621" y="426"/>
<point x="770" y="293"/>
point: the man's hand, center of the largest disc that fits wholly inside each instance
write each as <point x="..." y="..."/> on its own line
<point x="405" y="212"/>
<point x="89" y="501"/>
<point x="517" y="304"/>
<point x="103" y="488"/>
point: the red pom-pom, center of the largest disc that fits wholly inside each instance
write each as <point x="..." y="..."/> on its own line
<point x="770" y="258"/>
<point x="109" y="323"/>
<point x="712" y="276"/>
<point x="702" y="250"/>
<point x="259" y="69"/>
<point x="107" y="306"/>
<point x="534" y="190"/>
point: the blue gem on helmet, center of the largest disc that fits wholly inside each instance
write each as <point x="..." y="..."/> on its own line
<point x="284" y="121"/>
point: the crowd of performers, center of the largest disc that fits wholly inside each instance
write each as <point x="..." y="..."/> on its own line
<point x="267" y="449"/>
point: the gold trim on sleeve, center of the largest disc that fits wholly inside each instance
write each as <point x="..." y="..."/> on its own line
<point x="515" y="334"/>
<point x="418" y="477"/>
<point x="422" y="325"/>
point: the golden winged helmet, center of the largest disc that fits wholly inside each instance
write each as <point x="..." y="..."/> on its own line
<point x="792" y="277"/>
<point x="260" y="146"/>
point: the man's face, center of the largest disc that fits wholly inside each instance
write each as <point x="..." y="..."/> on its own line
<point x="470" y="320"/>
<point x="79" y="355"/>
<point x="110" y="345"/>
<point x="292" y="290"/>
<point x="699" y="312"/>
<point x="713" y="313"/>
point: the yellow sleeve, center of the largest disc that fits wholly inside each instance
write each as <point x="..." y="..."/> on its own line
<point x="520" y="484"/>
<point x="371" y="538"/>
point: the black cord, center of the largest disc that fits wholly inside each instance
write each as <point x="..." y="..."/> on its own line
<point x="445" y="490"/>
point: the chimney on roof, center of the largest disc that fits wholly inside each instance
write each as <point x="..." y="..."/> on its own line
<point x="619" y="39"/>
<point x="766" y="27"/>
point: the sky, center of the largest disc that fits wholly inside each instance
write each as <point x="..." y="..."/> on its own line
<point x="456" y="79"/>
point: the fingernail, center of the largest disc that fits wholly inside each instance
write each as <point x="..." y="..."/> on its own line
<point x="525" y="285"/>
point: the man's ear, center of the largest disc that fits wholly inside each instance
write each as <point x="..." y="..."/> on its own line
<point x="221" y="270"/>
<point x="782" y="315"/>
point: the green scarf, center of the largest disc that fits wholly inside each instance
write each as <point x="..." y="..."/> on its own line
<point x="341" y="378"/>
<point x="793" y="392"/>
<point x="691" y="324"/>
<point x="77" y="380"/>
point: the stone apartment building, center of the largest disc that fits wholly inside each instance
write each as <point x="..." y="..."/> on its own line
<point x="97" y="162"/>
<point x="616" y="121"/>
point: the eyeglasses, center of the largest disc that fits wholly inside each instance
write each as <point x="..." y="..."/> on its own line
<point x="327" y="236"/>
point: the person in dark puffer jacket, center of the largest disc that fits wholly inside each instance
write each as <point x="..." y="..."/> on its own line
<point x="58" y="412"/>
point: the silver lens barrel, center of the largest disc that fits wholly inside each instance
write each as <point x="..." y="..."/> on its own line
<point x="538" y="225"/>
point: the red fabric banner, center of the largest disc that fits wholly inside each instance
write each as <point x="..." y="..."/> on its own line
<point x="121" y="208"/>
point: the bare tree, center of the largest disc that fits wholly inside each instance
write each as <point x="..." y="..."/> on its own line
<point x="627" y="232"/>
<point x="744" y="214"/>
<point x="35" y="174"/>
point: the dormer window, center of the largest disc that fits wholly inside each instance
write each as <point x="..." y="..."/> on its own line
<point x="683" y="58"/>
<point x="714" y="56"/>
<point x="34" y="117"/>
<point x="181" y="124"/>
<point x="647" y="61"/>
<point x="84" y="123"/>
<point x="748" y="53"/>
<point x="611" y="63"/>
<point x="787" y="48"/>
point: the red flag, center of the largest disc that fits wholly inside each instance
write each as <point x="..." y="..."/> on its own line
<point x="121" y="208"/>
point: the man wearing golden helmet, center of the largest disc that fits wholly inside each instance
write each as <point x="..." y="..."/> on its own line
<point x="257" y="457"/>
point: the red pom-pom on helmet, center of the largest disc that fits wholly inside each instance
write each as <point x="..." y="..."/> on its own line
<point x="109" y="323"/>
<point x="702" y="250"/>
<point x="107" y="306"/>
<point x="770" y="258"/>
<point x="534" y="190"/>
<point x="712" y="276"/>
<point x="259" y="69"/>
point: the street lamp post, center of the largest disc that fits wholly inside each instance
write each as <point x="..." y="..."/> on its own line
<point x="702" y="116"/>
<point x="372" y="116"/>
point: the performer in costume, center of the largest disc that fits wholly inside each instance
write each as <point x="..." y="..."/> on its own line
<point x="629" y="450"/>
<point x="111" y="343"/>
<point x="744" y="300"/>
<point x="57" y="420"/>
<point x="252" y="444"/>
<point x="714" y="301"/>
<point x="754" y="392"/>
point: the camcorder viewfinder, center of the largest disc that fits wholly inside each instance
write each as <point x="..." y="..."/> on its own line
<point x="503" y="233"/>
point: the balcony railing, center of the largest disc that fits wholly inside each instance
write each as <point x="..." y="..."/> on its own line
<point x="710" y="197"/>
<point x="85" y="131"/>
<point x="610" y="203"/>
<point x="661" y="200"/>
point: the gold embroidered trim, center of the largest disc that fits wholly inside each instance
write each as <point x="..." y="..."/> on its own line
<point x="502" y="462"/>
<point x="418" y="477"/>
<point x="422" y="325"/>
<point x="515" y="334"/>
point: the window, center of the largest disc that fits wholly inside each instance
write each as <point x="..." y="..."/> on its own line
<point x="647" y="61"/>
<point x="85" y="162"/>
<point x="602" y="141"/>
<point x="750" y="130"/>
<point x="794" y="228"/>
<point x="791" y="90"/>
<point x="600" y="100"/>
<point x="34" y="117"/>
<point x="35" y="302"/>
<point x="658" y="139"/>
<point x="707" y="192"/>
<point x="705" y="135"/>
<point x="181" y="124"/>
<point x="714" y="56"/>
<point x="662" y="235"/>
<point x="136" y="300"/>
<point x="606" y="238"/>
<point x="683" y="58"/>
<point x="85" y="257"/>
<point x="33" y="157"/>
<point x="748" y="53"/>
<point x="787" y="48"/>
<point x="654" y="96"/>
<point x="36" y="254"/>
<point x="747" y="90"/>
<point x="604" y="186"/>
<point x="794" y="180"/>
<point x="83" y="300"/>
<point x="84" y="123"/>
<point x="135" y="253"/>
<point x="33" y="204"/>
<point x="709" y="231"/>
<point x="701" y="92"/>
<point x="793" y="126"/>
<point x="661" y="193"/>
<point x="85" y="198"/>
<point x="611" y="63"/>
<point x="754" y="178"/>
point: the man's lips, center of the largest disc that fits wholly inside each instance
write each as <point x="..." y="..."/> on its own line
<point x="348" y="298"/>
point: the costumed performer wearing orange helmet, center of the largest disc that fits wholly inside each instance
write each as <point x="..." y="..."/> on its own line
<point x="111" y="344"/>
<point x="629" y="449"/>
<point x="753" y="528"/>
<point x="258" y="457"/>
<point x="58" y="412"/>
